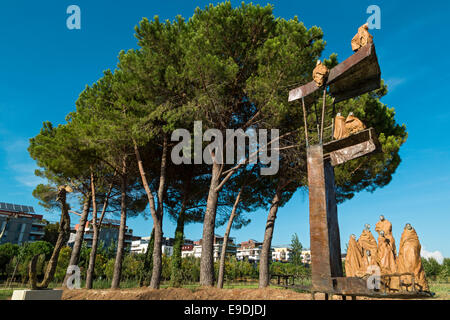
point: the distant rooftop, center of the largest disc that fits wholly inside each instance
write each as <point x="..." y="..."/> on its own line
<point x="16" y="208"/>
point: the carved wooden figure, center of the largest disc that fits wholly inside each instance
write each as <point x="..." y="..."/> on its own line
<point x="362" y="38"/>
<point x="353" y="259"/>
<point x="320" y="74"/>
<point x="353" y="124"/>
<point x="409" y="260"/>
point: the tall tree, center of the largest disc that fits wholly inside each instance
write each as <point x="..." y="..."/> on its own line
<point x="220" y="57"/>
<point x="152" y="80"/>
<point x="104" y="121"/>
<point x="296" y="250"/>
<point x="53" y="149"/>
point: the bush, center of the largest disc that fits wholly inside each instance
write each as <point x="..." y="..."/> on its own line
<point x="109" y="268"/>
<point x="7" y="252"/>
<point x="63" y="263"/>
<point x="432" y="268"/>
<point x="38" y="247"/>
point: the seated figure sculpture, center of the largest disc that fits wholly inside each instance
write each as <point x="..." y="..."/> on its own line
<point x="353" y="259"/>
<point x="368" y="243"/>
<point x="368" y="265"/>
<point x="387" y="262"/>
<point x="353" y="124"/>
<point x="386" y="226"/>
<point x="340" y="131"/>
<point x="362" y="38"/>
<point x="409" y="260"/>
<point x="320" y="74"/>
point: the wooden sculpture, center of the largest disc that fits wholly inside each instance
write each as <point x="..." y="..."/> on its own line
<point x="368" y="243"/>
<point x="362" y="38"/>
<point x="386" y="226"/>
<point x="353" y="124"/>
<point x="320" y="74"/>
<point x="339" y="127"/>
<point x="409" y="260"/>
<point x="353" y="259"/>
<point x="387" y="261"/>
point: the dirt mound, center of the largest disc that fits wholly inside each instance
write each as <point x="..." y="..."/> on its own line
<point x="186" y="294"/>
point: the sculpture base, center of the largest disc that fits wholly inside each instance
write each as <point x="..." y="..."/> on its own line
<point x="37" y="294"/>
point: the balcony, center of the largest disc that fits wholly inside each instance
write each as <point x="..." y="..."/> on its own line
<point x="39" y="223"/>
<point x="38" y="232"/>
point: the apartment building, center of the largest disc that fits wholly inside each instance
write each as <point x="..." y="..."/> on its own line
<point x="281" y="254"/>
<point x="109" y="233"/>
<point x="249" y="250"/>
<point x="141" y="245"/>
<point x="20" y="224"/>
<point x="195" y="249"/>
<point x="306" y="256"/>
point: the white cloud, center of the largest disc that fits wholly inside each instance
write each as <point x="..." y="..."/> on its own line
<point x="393" y="83"/>
<point x="19" y="164"/>
<point x="437" y="255"/>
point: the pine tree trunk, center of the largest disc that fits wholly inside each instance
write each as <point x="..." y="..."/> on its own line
<point x="225" y="241"/>
<point x="157" y="257"/>
<point x="92" y="258"/>
<point x="75" y="256"/>
<point x="123" y="223"/>
<point x="175" y="277"/>
<point x="96" y="226"/>
<point x="264" y="276"/>
<point x="157" y="213"/>
<point x="157" y="250"/>
<point x="63" y="237"/>
<point x="148" y="262"/>
<point x="207" y="259"/>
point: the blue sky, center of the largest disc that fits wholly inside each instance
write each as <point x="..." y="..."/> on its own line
<point x="44" y="67"/>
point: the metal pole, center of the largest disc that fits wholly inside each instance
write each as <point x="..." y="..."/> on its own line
<point x="323" y="113"/>
<point x="333" y="123"/>
<point x="305" y="121"/>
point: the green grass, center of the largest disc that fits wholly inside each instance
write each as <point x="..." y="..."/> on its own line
<point x="6" y="294"/>
<point x="442" y="290"/>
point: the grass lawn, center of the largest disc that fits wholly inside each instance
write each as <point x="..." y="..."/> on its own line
<point x="442" y="290"/>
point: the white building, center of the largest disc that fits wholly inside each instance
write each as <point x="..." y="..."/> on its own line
<point x="195" y="250"/>
<point x="249" y="250"/>
<point x="306" y="256"/>
<point x="281" y="254"/>
<point x="140" y="246"/>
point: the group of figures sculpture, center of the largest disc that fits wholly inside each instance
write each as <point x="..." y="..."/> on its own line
<point x="398" y="272"/>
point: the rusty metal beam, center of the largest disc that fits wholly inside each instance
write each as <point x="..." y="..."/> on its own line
<point x="355" y="146"/>
<point x="358" y="74"/>
<point x="324" y="228"/>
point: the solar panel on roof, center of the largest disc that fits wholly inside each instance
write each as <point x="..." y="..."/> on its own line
<point x="16" y="207"/>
